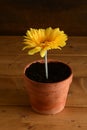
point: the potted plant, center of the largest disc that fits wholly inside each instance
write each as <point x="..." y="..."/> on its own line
<point x="47" y="81"/>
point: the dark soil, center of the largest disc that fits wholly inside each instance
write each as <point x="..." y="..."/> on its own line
<point x="57" y="71"/>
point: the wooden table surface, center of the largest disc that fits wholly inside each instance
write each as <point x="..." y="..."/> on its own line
<point x="15" y="110"/>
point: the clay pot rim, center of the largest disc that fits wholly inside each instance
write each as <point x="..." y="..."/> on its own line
<point x="49" y="60"/>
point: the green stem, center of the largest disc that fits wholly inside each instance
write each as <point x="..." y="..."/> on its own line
<point x="46" y="66"/>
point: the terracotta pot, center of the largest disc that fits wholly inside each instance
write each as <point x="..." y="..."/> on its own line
<point x="48" y="98"/>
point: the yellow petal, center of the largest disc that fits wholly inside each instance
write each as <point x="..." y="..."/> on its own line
<point x="43" y="53"/>
<point x="41" y="35"/>
<point x="55" y="33"/>
<point x="48" y="32"/>
<point x="26" y="47"/>
<point x="63" y="44"/>
<point x="35" y="50"/>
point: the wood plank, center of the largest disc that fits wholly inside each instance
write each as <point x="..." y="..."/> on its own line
<point x="14" y="97"/>
<point x="11" y="45"/>
<point x="11" y="56"/>
<point x="75" y="46"/>
<point x="15" y="109"/>
<point x="77" y="96"/>
<point x="14" y="66"/>
<point x="12" y="92"/>
<point x="23" y="118"/>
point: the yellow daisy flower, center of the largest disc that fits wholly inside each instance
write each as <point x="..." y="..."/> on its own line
<point x="42" y="40"/>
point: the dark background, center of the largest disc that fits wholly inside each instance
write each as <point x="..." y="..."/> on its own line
<point x="16" y="16"/>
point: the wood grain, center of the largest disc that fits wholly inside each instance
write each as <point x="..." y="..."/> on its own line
<point x="15" y="109"/>
<point x="13" y="59"/>
<point x="76" y="46"/>
<point x="14" y="66"/>
<point x="23" y="118"/>
<point x="13" y="92"/>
